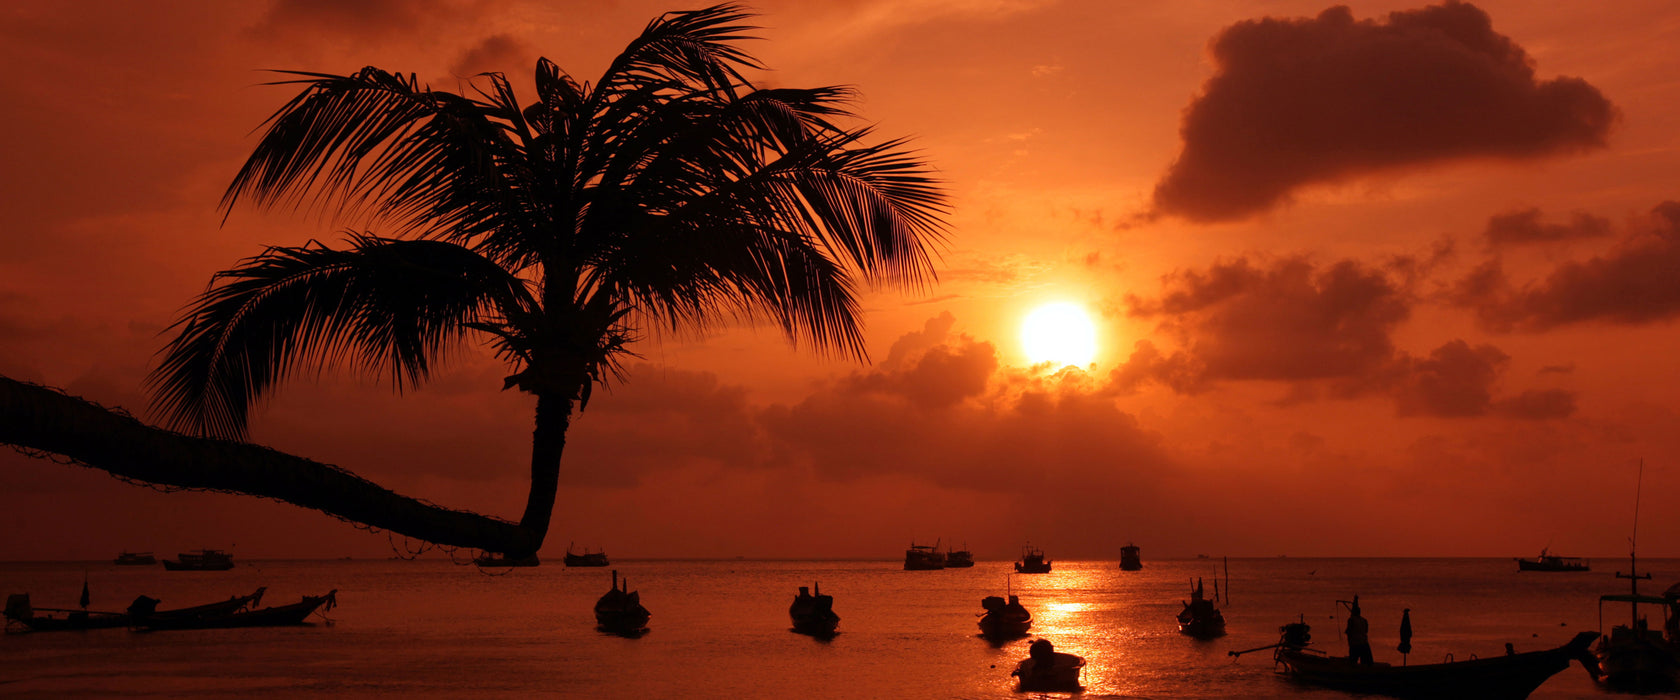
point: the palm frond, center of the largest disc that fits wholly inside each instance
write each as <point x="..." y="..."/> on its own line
<point x="387" y="306"/>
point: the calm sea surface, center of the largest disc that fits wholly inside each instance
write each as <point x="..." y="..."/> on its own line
<point x="720" y="628"/>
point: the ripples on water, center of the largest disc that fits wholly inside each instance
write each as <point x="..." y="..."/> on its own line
<point x="720" y="628"/>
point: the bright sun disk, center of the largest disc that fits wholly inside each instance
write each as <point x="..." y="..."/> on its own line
<point x="1060" y="333"/>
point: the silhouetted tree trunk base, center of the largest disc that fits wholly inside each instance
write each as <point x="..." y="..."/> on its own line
<point x="44" y="421"/>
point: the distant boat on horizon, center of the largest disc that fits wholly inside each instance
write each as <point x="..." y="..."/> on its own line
<point x="1552" y="562"/>
<point x="127" y="558"/>
<point x="959" y="559"/>
<point x="201" y="560"/>
<point x="1032" y="561"/>
<point x="504" y="560"/>
<point x="587" y="558"/>
<point x="922" y="557"/>
<point x="1130" y="558"/>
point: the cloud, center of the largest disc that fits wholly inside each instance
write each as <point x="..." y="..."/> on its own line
<point x="1298" y="102"/>
<point x="1634" y="285"/>
<point x="357" y="17"/>
<point x="1318" y="330"/>
<point x="1524" y="227"/>
<point x="498" y="53"/>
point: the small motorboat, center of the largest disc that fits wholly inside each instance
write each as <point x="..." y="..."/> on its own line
<point x="620" y="611"/>
<point x="1032" y="561"/>
<point x="1004" y="619"/>
<point x="813" y="614"/>
<point x="145" y="617"/>
<point x="1048" y="670"/>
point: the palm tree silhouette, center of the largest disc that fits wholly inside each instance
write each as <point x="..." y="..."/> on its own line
<point x="670" y="196"/>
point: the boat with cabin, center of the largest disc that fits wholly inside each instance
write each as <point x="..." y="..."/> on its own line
<point x="127" y="558"/>
<point x="201" y="560"/>
<point x="619" y="611"/>
<point x="1552" y="562"/>
<point x="813" y="613"/>
<point x="1032" y="561"/>
<point x="922" y="557"/>
<point x="1004" y="619"/>
<point x="587" y="558"/>
<point x="959" y="559"/>
<point x="1637" y="657"/>
<point x="1130" y="558"/>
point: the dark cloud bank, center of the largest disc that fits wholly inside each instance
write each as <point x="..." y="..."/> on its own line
<point x="1296" y="102"/>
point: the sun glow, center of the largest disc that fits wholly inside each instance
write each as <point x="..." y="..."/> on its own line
<point x="1061" y="334"/>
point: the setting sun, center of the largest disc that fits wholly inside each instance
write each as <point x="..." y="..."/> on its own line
<point x="1059" y="333"/>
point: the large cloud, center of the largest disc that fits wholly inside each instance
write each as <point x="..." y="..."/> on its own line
<point x="1296" y="102"/>
<point x="1635" y="284"/>
<point x="1317" y="330"/>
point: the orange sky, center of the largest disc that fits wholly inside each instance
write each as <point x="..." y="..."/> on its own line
<point x="1366" y="284"/>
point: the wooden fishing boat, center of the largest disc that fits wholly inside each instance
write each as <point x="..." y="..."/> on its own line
<point x="201" y="560"/>
<point x="277" y="616"/>
<point x="1636" y="657"/>
<point x="1004" y="619"/>
<point x="922" y="557"/>
<point x="18" y="610"/>
<point x="1130" y="558"/>
<point x="1510" y="676"/>
<point x="1200" y="617"/>
<point x="1048" y="670"/>
<point x="587" y="558"/>
<point x="959" y="559"/>
<point x="1032" y="561"/>
<point x="813" y="614"/>
<point x="1552" y="562"/>
<point x="127" y="558"/>
<point x="620" y="611"/>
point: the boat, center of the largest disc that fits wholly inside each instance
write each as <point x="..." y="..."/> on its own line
<point x="504" y="560"/>
<point x="1032" y="561"/>
<point x="1129" y="558"/>
<point x="620" y="611"/>
<point x="1048" y="670"/>
<point x="19" y="611"/>
<point x="1004" y="619"/>
<point x="1635" y="657"/>
<point x="587" y="558"/>
<point x="959" y="559"/>
<point x="127" y="558"/>
<point x="813" y="613"/>
<point x="201" y="560"/>
<point x="922" y="557"/>
<point x="1509" y="676"/>
<point x="1552" y="562"/>
<point x="1200" y="618"/>
<point x="277" y="616"/>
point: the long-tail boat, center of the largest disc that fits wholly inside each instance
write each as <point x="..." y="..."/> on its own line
<point x="620" y="611"/>
<point x="277" y="616"/>
<point x="1510" y="676"/>
<point x="19" y="611"/>
<point x="813" y="614"/>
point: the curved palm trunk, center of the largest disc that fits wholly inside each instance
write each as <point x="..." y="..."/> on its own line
<point x="39" y="418"/>
<point x="548" y="443"/>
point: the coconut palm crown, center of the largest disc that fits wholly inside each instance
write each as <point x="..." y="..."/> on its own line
<point x="670" y="196"/>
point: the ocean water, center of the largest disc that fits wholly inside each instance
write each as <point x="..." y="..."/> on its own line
<point x="431" y="628"/>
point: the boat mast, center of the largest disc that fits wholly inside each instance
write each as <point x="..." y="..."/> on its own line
<point x="1633" y="552"/>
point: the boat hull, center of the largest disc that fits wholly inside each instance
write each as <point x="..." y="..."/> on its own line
<point x="1062" y="674"/>
<point x="1510" y="677"/>
<point x="1005" y="626"/>
<point x="277" y="616"/>
<point x="1032" y="567"/>
<point x="588" y="560"/>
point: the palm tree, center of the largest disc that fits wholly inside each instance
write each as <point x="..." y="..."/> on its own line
<point x="670" y="196"/>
